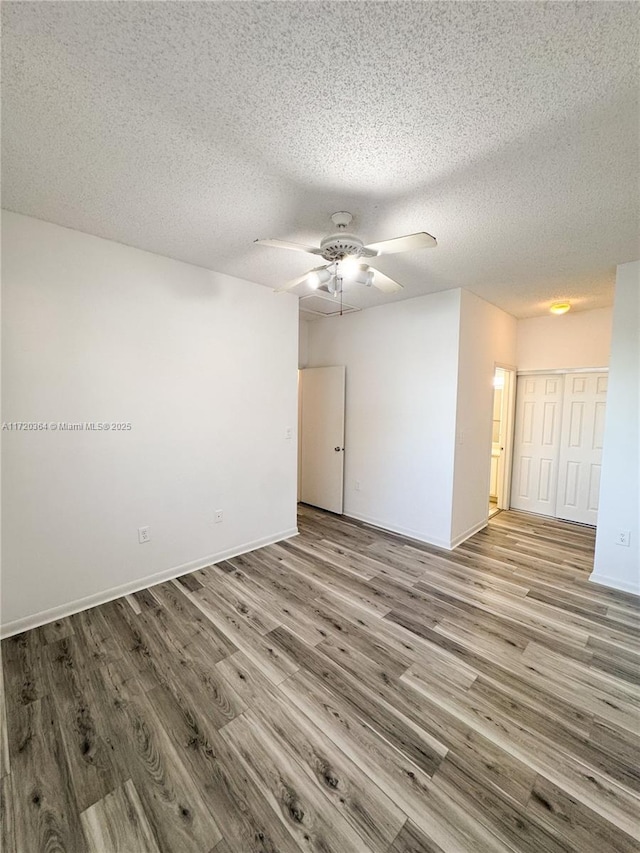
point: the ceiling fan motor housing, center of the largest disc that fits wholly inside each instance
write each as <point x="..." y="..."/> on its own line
<point x="335" y="247"/>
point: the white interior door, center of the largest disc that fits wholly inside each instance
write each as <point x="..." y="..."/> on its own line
<point x="322" y="437"/>
<point x="537" y="443"/>
<point x="582" y="433"/>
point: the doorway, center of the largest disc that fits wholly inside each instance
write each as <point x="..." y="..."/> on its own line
<point x="501" y="438"/>
<point x="321" y="401"/>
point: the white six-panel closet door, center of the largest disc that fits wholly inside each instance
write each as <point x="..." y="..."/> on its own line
<point x="581" y="441"/>
<point x="537" y="443"/>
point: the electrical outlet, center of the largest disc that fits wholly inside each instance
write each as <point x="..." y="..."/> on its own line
<point x="358" y="485"/>
<point x="623" y="538"/>
<point x="219" y="516"/>
<point x="144" y="535"/>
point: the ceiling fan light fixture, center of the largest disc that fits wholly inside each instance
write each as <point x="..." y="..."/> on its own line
<point x="343" y="252"/>
<point x="318" y="277"/>
<point x="560" y="307"/>
<point x="349" y="268"/>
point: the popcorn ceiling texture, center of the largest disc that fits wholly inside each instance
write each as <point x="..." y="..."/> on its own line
<point x="508" y="130"/>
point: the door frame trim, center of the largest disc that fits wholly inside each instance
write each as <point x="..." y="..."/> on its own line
<point x="558" y="370"/>
<point x="509" y="410"/>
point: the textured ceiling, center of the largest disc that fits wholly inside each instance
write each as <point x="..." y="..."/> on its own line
<point x="510" y="131"/>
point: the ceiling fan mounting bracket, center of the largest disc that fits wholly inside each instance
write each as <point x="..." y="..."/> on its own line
<point x="341" y="219"/>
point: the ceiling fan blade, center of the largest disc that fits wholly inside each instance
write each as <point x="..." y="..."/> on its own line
<point x="421" y="240"/>
<point x="292" y="283"/>
<point x="295" y="281"/>
<point x="285" y="244"/>
<point x="384" y="283"/>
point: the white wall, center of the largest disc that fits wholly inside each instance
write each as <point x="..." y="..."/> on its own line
<point x="204" y="367"/>
<point x="619" y="508"/>
<point x="402" y="363"/>
<point x="303" y="342"/>
<point x="487" y="337"/>
<point x="580" y="339"/>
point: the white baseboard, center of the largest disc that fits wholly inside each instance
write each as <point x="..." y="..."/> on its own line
<point x="420" y="537"/>
<point x="403" y="531"/>
<point x="26" y="623"/>
<point x="458" y="540"/>
<point x="616" y="583"/>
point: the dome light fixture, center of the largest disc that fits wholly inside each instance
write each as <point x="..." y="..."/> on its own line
<point x="560" y="307"/>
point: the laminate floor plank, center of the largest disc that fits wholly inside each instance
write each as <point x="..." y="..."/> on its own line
<point x="404" y="645"/>
<point x="175" y="806"/>
<point x="574" y="823"/>
<point x="496" y="668"/>
<point x="95" y="642"/>
<point x="281" y="609"/>
<point x="583" y="687"/>
<point x="242" y="813"/>
<point x="577" y="737"/>
<point x="54" y="631"/>
<point x="188" y="622"/>
<point x="346" y="690"/>
<point x="387" y="767"/>
<point x="508" y="819"/>
<point x="348" y="586"/>
<point x="614" y="802"/>
<point x="118" y="823"/>
<point x="539" y="563"/>
<point x="358" y="653"/>
<point x="534" y="620"/>
<point x="5" y="761"/>
<point x="45" y="812"/>
<point x="478" y="755"/>
<point x="277" y="664"/>
<point x="299" y="804"/>
<point x="23" y="669"/>
<point x="132" y="603"/>
<point x="187" y="672"/>
<point x="363" y="805"/>
<point x="391" y="723"/>
<point x="86" y="736"/>
<point x="469" y="574"/>
<point x="351" y="562"/>
<point x="411" y="840"/>
<point x="620" y="748"/>
<point x="247" y="606"/>
<point x="272" y="570"/>
<point x="7" y="825"/>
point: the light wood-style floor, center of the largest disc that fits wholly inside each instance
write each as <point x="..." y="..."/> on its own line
<point x="347" y="690"/>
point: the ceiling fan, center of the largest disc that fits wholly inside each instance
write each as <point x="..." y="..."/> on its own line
<point x="345" y="252"/>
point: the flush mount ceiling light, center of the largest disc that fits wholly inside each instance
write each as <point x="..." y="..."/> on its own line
<point x="560" y="307"/>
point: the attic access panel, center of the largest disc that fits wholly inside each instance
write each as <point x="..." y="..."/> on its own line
<point x="324" y="306"/>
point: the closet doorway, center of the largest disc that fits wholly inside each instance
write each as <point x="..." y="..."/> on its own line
<point x="558" y="444"/>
